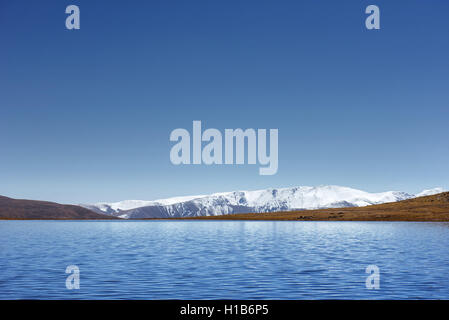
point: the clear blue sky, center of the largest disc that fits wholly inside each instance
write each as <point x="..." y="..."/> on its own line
<point x="86" y="115"/>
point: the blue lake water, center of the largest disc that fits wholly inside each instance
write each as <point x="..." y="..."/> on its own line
<point x="223" y="259"/>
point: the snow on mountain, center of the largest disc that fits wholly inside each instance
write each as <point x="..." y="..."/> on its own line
<point x="430" y="192"/>
<point x="113" y="208"/>
<point x="116" y="207"/>
<point x="267" y="200"/>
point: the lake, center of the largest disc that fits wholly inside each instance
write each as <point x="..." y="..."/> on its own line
<point x="223" y="259"/>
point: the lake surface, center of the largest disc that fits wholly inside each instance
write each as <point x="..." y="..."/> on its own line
<point x="223" y="259"/>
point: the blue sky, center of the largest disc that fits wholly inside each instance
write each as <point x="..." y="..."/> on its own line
<point x="86" y="114"/>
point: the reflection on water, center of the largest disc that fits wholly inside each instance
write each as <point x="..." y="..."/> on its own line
<point x="223" y="259"/>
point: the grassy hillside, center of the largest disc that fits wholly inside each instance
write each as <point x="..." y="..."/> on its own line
<point x="17" y="209"/>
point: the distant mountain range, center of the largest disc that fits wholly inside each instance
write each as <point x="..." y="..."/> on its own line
<point x="260" y="201"/>
<point x="424" y="208"/>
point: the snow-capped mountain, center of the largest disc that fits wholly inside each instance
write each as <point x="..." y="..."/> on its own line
<point x="268" y="200"/>
<point x="430" y="192"/>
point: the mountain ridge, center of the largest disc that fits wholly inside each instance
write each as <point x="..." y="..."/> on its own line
<point x="429" y="208"/>
<point x="258" y="201"/>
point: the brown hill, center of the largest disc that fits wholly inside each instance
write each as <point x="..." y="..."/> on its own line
<point x="17" y="209"/>
<point x="428" y="208"/>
